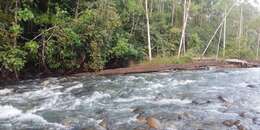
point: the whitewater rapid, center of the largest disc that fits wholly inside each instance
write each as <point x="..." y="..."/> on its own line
<point x="184" y="100"/>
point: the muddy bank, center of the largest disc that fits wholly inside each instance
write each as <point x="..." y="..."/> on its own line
<point x="196" y="64"/>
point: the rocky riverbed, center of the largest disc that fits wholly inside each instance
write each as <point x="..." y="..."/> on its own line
<point x="217" y="99"/>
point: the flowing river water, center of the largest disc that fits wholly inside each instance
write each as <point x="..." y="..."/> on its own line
<point x="183" y="100"/>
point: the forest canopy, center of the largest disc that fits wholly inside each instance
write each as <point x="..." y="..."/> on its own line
<point x="71" y="35"/>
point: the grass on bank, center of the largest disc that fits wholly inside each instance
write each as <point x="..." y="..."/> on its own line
<point x="159" y="60"/>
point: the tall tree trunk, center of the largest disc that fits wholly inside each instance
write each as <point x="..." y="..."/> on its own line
<point x="148" y="31"/>
<point x="219" y="41"/>
<point x="240" y="28"/>
<point x="43" y="57"/>
<point x="224" y="33"/>
<point x="258" y="45"/>
<point x="15" y="34"/>
<point x="216" y="31"/>
<point x="15" y="23"/>
<point x="183" y="28"/>
<point x="185" y="20"/>
<point x="77" y="9"/>
<point x="173" y="12"/>
<point x="151" y="7"/>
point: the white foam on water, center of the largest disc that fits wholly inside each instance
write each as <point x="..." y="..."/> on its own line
<point x="184" y="82"/>
<point x="80" y="85"/>
<point x="75" y="104"/>
<point x="54" y="87"/>
<point x="126" y="120"/>
<point x="134" y="98"/>
<point x="152" y="87"/>
<point x="5" y="91"/>
<point x="254" y="104"/>
<point x="165" y="73"/>
<point x="49" y="103"/>
<point x="36" y="119"/>
<point x="132" y="78"/>
<point x="171" y="101"/>
<point x="107" y="81"/>
<point x="156" y="86"/>
<point x="31" y="117"/>
<point x="7" y="112"/>
<point x="40" y="94"/>
<point x="96" y="96"/>
<point x="257" y="108"/>
<point x="17" y="116"/>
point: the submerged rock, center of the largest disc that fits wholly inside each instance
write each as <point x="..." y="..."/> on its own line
<point x="256" y="121"/>
<point x="241" y="127"/>
<point x="242" y="114"/>
<point x="227" y="103"/>
<point x="200" y="102"/>
<point x="138" y="110"/>
<point x="251" y="86"/>
<point x="221" y="98"/>
<point x="185" y="115"/>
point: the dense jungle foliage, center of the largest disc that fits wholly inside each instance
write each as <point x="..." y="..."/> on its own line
<point x="58" y="36"/>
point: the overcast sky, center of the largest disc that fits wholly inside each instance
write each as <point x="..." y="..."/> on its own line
<point x="255" y="2"/>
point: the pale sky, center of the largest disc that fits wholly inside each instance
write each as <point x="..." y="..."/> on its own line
<point x="255" y="2"/>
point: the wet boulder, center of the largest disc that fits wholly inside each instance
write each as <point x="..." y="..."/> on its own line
<point x="141" y="119"/>
<point x="200" y="102"/>
<point x="104" y="124"/>
<point x="237" y="123"/>
<point x="229" y="123"/>
<point x="226" y="102"/>
<point x="138" y="110"/>
<point x="150" y="121"/>
<point x="241" y="127"/>
<point x="153" y="123"/>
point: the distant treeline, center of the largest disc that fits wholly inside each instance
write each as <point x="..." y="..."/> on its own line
<point x="58" y="36"/>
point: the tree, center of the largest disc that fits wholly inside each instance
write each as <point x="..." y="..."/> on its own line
<point x="148" y="31"/>
<point x="185" y="20"/>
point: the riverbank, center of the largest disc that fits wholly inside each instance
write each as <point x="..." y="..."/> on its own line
<point x="195" y="64"/>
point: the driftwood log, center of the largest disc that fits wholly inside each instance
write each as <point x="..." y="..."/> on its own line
<point x="242" y="63"/>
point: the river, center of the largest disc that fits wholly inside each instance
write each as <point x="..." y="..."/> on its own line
<point x="182" y="100"/>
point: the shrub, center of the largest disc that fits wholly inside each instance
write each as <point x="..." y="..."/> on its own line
<point x="13" y="59"/>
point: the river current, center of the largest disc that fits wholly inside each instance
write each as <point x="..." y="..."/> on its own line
<point x="181" y="100"/>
